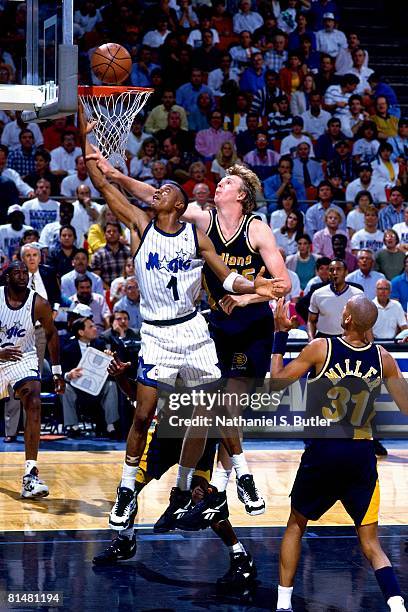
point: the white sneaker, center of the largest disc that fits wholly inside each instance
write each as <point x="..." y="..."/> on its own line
<point x="32" y="486"/>
<point x="124" y="509"/>
<point x="397" y="604"/>
<point x="249" y="495"/>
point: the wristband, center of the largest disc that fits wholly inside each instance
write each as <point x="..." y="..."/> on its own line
<point x="229" y="281"/>
<point x="279" y="342"/>
<point x="56" y="369"/>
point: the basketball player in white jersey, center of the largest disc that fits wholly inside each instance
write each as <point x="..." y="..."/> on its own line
<point x="20" y="308"/>
<point x="175" y="338"/>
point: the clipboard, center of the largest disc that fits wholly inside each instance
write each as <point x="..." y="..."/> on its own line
<point x="94" y="364"/>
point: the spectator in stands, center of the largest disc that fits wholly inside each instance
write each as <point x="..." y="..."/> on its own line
<point x="221" y="20"/>
<point x="130" y="302"/>
<point x="184" y="138"/>
<point x="296" y="37"/>
<point x="303" y="262"/>
<point x="155" y="38"/>
<point x="242" y="53"/>
<point x="365" y="276"/>
<point x="11" y="133"/>
<point x="325" y="146"/>
<point x="141" y="166"/>
<point x="108" y="261"/>
<point x="63" y="158"/>
<point x="42" y="279"/>
<point x="366" y="146"/>
<point x="265" y="99"/>
<point x="96" y="234"/>
<point x="136" y="137"/>
<point x="280" y="122"/>
<point x="390" y="260"/>
<point x="245" y="140"/>
<point x="70" y="183"/>
<point x="143" y="68"/>
<point x="50" y="233"/>
<point x="276" y="57"/>
<point x="344" y="60"/>
<point x="21" y="159"/>
<point x="53" y="133"/>
<point x="117" y="288"/>
<point x="218" y="77"/>
<point x="188" y="93"/>
<point x="370" y="237"/>
<point x="159" y="174"/>
<point x="291" y="142"/>
<point x="80" y="267"/>
<point x="399" y="142"/>
<point x="310" y="57"/>
<point x="207" y="55"/>
<point x="281" y="182"/>
<point x="60" y="256"/>
<point x="379" y="88"/>
<point x="12" y="232"/>
<point x="315" y="215"/>
<point x="352" y="121"/>
<point x="246" y="19"/>
<point x="253" y="77"/>
<point x="319" y="8"/>
<point x="365" y="182"/>
<point x="340" y="251"/>
<point x="42" y="160"/>
<point x="300" y="99"/>
<point x="41" y="210"/>
<point x="391" y="317"/>
<point x="262" y="160"/>
<point x="386" y="123"/>
<point x="186" y="16"/>
<point x="307" y="171"/>
<point x="287" y="202"/>
<point x="195" y="38"/>
<point x="355" y="218"/>
<point x="315" y="119"/>
<point x="286" y="236"/>
<point x="96" y="302"/>
<point x="295" y="291"/>
<point x="335" y="181"/>
<point x="226" y="157"/>
<point x="291" y="76"/>
<point x="361" y="70"/>
<point x="402" y="228"/>
<point x="202" y="197"/>
<point x="158" y="117"/>
<point x="23" y="188"/>
<point x="197" y="173"/>
<point x="330" y="40"/>
<point x="198" y="119"/>
<point x="384" y="170"/>
<point x="123" y="340"/>
<point x="337" y="96"/>
<point x="208" y="142"/>
<point x="399" y="286"/>
<point x="85" y="212"/>
<point x="235" y="118"/>
<point x="85" y="334"/>
<point x="322" y="239"/>
<point x="393" y="213"/>
<point x="342" y="163"/>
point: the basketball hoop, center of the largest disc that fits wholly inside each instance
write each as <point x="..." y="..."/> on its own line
<point x="113" y="109"/>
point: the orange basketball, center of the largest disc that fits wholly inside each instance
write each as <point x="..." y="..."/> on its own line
<point x="111" y="63"/>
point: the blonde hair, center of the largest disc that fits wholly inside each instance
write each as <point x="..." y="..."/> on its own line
<point x="226" y="163"/>
<point x="330" y="211"/>
<point x="250" y="185"/>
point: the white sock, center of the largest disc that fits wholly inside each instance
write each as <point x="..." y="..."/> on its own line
<point x="284" y="598"/>
<point x="127" y="533"/>
<point x="240" y="465"/>
<point x="110" y="427"/>
<point x="220" y="478"/>
<point x="396" y="604"/>
<point x="128" y="476"/>
<point x="29" y="465"/>
<point x="184" y="477"/>
<point x="237" y="548"/>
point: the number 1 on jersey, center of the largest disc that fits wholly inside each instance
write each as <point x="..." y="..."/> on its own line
<point x="172" y="284"/>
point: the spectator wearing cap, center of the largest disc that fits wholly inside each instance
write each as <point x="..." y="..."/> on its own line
<point x="399" y="143"/>
<point x="326" y="142"/>
<point x="262" y="160"/>
<point x="344" y="60"/>
<point x="12" y="232"/>
<point x="393" y="213"/>
<point x="342" y="163"/>
<point x="209" y="141"/>
<point x="386" y="123"/>
<point x="155" y="38"/>
<point x="23" y="188"/>
<point x="306" y="170"/>
<point x="315" y="215"/>
<point x="315" y="118"/>
<point x="290" y="143"/>
<point x="21" y="159"/>
<point x="390" y="259"/>
<point x="130" y="302"/>
<point x="365" y="182"/>
<point x="399" y="286"/>
<point x="337" y="96"/>
<point x="42" y="160"/>
<point x="365" y="276"/>
<point x="246" y="19"/>
<point x="340" y="251"/>
<point x="80" y="267"/>
<point x="276" y="57"/>
<point x="391" y="317"/>
<point x="187" y="94"/>
<point x="253" y="77"/>
<point x="330" y="40"/>
<point x="281" y="182"/>
<point x="95" y="301"/>
<point x="370" y="237"/>
<point x="63" y="158"/>
<point x="319" y="8"/>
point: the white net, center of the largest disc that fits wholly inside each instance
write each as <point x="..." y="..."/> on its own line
<point x="113" y="114"/>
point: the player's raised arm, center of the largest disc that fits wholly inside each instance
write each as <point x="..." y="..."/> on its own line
<point x="194" y="214"/>
<point x="43" y="314"/>
<point x="394" y="380"/>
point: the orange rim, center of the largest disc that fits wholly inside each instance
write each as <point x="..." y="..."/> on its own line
<point x="99" y="91"/>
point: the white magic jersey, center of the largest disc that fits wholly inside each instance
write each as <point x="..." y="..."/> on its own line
<point x="17" y="324"/>
<point x="168" y="270"/>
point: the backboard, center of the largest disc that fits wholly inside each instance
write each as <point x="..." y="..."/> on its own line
<point x="50" y="77"/>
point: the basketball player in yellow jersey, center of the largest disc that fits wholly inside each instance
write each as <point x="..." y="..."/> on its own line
<point x="345" y="377"/>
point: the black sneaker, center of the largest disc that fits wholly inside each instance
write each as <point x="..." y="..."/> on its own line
<point x="212" y="509"/>
<point x="124" y="509"/>
<point x="379" y="449"/>
<point x="120" y="549"/>
<point x="180" y="502"/>
<point x="249" y="495"/>
<point x="241" y="574"/>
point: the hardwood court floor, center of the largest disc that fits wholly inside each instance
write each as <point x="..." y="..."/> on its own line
<point x="83" y="484"/>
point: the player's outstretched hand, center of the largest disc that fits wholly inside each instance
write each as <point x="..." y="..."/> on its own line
<point x="271" y="288"/>
<point x="102" y="163"/>
<point x="118" y="367"/>
<point x="10" y="353"/>
<point x="281" y="315"/>
<point x="229" y="302"/>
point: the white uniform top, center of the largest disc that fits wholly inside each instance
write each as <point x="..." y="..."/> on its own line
<point x="168" y="270"/>
<point x="17" y="324"/>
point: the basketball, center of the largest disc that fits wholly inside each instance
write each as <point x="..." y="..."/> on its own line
<point x="111" y="63"/>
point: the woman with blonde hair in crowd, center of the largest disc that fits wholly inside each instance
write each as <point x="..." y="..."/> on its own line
<point x="322" y="240"/>
<point x="299" y="101"/>
<point x="96" y="233"/>
<point x="226" y="157"/>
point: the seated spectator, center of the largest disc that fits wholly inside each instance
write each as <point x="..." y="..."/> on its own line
<point x="186" y="16"/>
<point x="393" y="213"/>
<point x="221" y="20"/>
<point x="117" y="288"/>
<point x="287" y="202"/>
<point x="355" y="218"/>
<point x="386" y="123"/>
<point x="21" y="159"/>
<point x="85" y="212"/>
<point x="340" y="251"/>
<point x="322" y="275"/>
<point x="60" y="257"/>
<point x="342" y="163"/>
<point x="280" y="122"/>
<point x="286" y="237"/>
<point x="225" y="158"/>
<point x="136" y="137"/>
<point x="245" y="141"/>
<point x="325" y="77"/>
<point x="365" y="182"/>
<point x="96" y="234"/>
<point x="85" y="334"/>
<point x="262" y="160"/>
<point x="11" y="133"/>
<point x="87" y="16"/>
<point x="195" y="37"/>
<point x="291" y="76"/>
<point x="365" y="276"/>
<point x="379" y="88"/>
<point x="336" y="183"/>
<point x="22" y="188"/>
<point x="337" y="96"/>
<point x="159" y="172"/>
<point x="130" y="302"/>
<point x="322" y="239"/>
<point x="281" y="182"/>
<point x="235" y="118"/>
<point x="141" y="75"/>
<point x="370" y="237"/>
<point x="352" y="121"/>
<point x="303" y="262"/>
<point x="197" y="173"/>
<point x="242" y="53"/>
<point x="384" y="170"/>
<point x="158" y="117"/>
<point x="178" y="163"/>
<point x="187" y="94"/>
<point x="263" y="36"/>
<point x="325" y="146"/>
<point x="208" y="142"/>
<point x="12" y="232"/>
<point x="391" y="317"/>
<point x="199" y="118"/>
<point x="300" y="99"/>
<point x="63" y="158"/>
<point x="399" y="142"/>
<point x="49" y="236"/>
<point x="41" y="170"/>
<point x="80" y="268"/>
<point x="108" y="261"/>
<point x="290" y="144"/>
<point x="95" y="301"/>
<point x="295" y="37"/>
<point x="246" y="19"/>
<point x="155" y="38"/>
<point x="207" y="55"/>
<point x="184" y="138"/>
<point x="307" y="171"/>
<point x="344" y="60"/>
<point x="41" y="210"/>
<point x="202" y="197"/>
<point x="315" y="215"/>
<point x="253" y="77"/>
<point x="315" y="119"/>
<point x="310" y="57"/>
<point x="390" y="260"/>
<point x="318" y="9"/>
<point x="276" y="57"/>
<point x="399" y="286"/>
<point x="361" y="70"/>
<point x="401" y="228"/>
<point x="330" y="40"/>
<point x="141" y="166"/>
<point x="53" y="133"/>
<point x="265" y="101"/>
<point x="70" y="183"/>
<point x="121" y="339"/>
<point x="366" y="146"/>
<point x="218" y="77"/>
